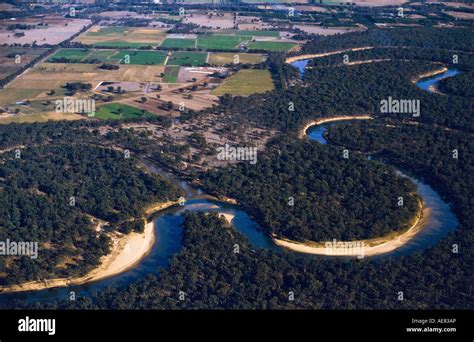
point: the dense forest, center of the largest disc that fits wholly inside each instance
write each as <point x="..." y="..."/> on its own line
<point x="50" y="192"/>
<point x="460" y="85"/>
<point x="208" y="274"/>
<point x="333" y="197"/>
<point x="459" y="39"/>
<point x="305" y="191"/>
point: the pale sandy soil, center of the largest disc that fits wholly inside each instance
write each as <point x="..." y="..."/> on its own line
<point x="369" y="247"/>
<point x="376" y="3"/>
<point x="367" y="61"/>
<point x="54" y="34"/>
<point x="323" y="54"/>
<point x="448" y="3"/>
<point x="225" y="21"/>
<point x="228" y="217"/>
<point x="429" y="74"/>
<point x="127" y="251"/>
<point x="461" y="15"/>
<point x="321" y="121"/>
<point x="314" y="29"/>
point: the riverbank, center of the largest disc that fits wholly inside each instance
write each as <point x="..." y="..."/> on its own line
<point x="360" y="248"/>
<point x="324" y="54"/>
<point x="429" y="74"/>
<point x="127" y="251"/>
<point x="228" y="217"/>
<point x="321" y="121"/>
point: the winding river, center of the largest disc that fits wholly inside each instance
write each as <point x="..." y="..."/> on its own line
<point x="167" y="225"/>
<point x="429" y="84"/>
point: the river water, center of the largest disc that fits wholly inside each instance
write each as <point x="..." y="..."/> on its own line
<point x="168" y="232"/>
<point x="426" y="83"/>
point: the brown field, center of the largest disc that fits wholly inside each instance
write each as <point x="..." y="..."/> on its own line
<point x="254" y="26"/>
<point x="200" y="100"/>
<point x="10" y="96"/>
<point x="8" y="7"/>
<point x="448" y="3"/>
<point x="8" y="65"/>
<point x="52" y="72"/>
<point x="186" y="74"/>
<point x="43" y="117"/>
<point x="375" y="3"/>
<point x="34" y="83"/>
<point x="327" y="31"/>
<point x="154" y="36"/>
<point x="58" y="30"/>
<point x="120" y="14"/>
<point x="309" y="8"/>
<point x="225" y="21"/>
<point x="461" y="15"/>
<point x="226" y="58"/>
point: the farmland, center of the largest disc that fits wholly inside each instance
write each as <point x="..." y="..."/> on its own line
<point x="120" y="111"/>
<point x="117" y="36"/>
<point x="140" y="57"/>
<point x="178" y="43"/>
<point x="47" y="30"/>
<point x="187" y="58"/>
<point x="246" y="82"/>
<point x="221" y="42"/>
<point x="71" y="54"/>
<point x="8" y="58"/>
<point x="230" y="57"/>
<point x="45" y="77"/>
<point x="136" y="57"/>
<point x="171" y="74"/>
<point x="271" y="46"/>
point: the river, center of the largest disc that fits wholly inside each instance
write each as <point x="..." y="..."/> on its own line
<point x="430" y="82"/>
<point x="168" y="232"/>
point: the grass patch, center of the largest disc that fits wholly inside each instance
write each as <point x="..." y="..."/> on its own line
<point x="72" y="54"/>
<point x="120" y="111"/>
<point x="121" y="44"/>
<point x="187" y="58"/>
<point x="141" y="57"/>
<point x="246" y="82"/>
<point x="271" y="46"/>
<point x="178" y="43"/>
<point x="171" y="74"/>
<point x="256" y="33"/>
<point x="101" y="55"/>
<point x="221" y="42"/>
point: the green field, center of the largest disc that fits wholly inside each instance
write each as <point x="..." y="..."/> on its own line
<point x="178" y="43"/>
<point x="73" y="54"/>
<point x="120" y="111"/>
<point x="222" y="42"/>
<point x="271" y="46"/>
<point x="171" y="74"/>
<point x="141" y="57"/>
<point x="246" y="82"/>
<point x="256" y="33"/>
<point x="187" y="58"/>
<point x="101" y="55"/>
<point x="121" y="44"/>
